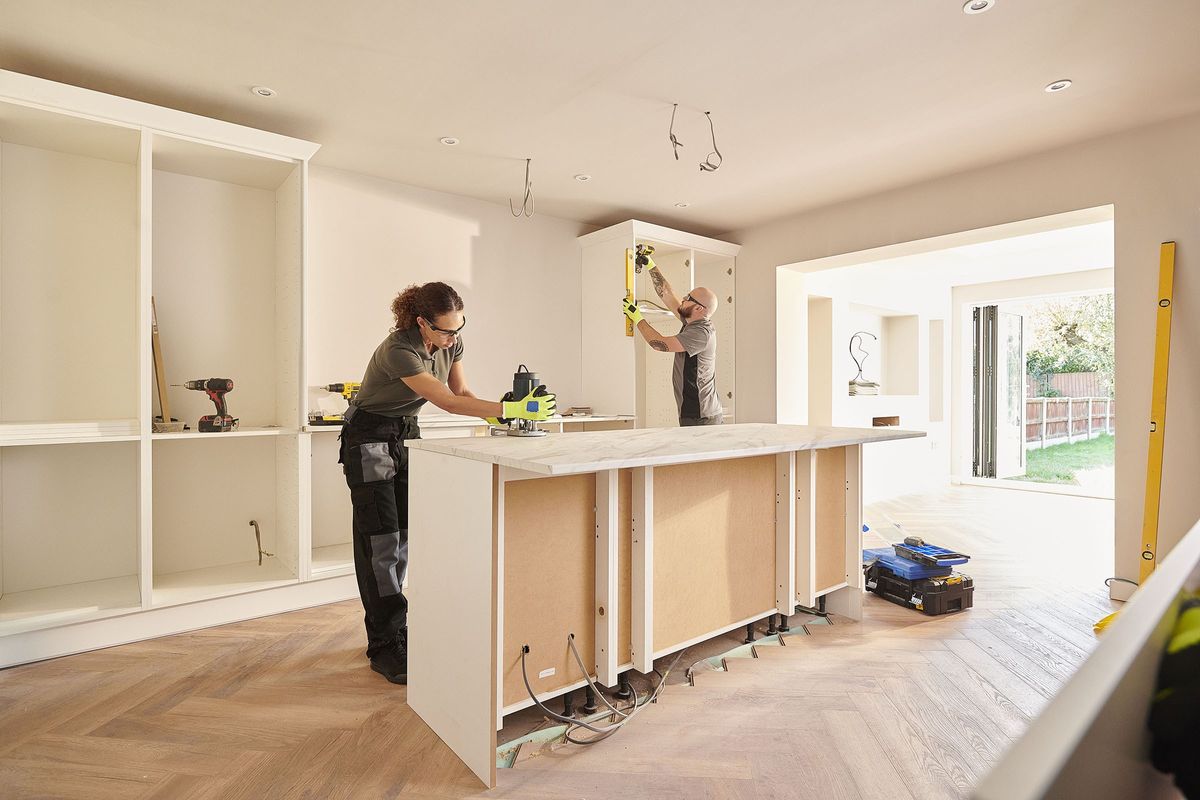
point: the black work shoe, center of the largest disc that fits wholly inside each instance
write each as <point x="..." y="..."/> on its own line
<point x="391" y="664"/>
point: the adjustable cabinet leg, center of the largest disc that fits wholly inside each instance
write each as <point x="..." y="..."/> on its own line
<point x="624" y="690"/>
<point x="819" y="611"/>
<point x="568" y="704"/>
<point x="771" y="629"/>
<point x="750" y="638"/>
<point x="589" y="700"/>
<point x="783" y="623"/>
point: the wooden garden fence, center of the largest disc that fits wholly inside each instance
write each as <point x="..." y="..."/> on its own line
<point x="1053" y="420"/>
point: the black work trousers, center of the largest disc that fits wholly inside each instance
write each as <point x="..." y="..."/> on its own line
<point x="375" y="462"/>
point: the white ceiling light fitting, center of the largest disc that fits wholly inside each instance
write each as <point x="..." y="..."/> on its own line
<point x="1058" y="86"/>
<point x="583" y="178"/>
<point x="978" y="6"/>
<point x="449" y="141"/>
<point x="262" y="91"/>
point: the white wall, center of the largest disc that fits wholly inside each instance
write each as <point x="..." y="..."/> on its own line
<point x="962" y="297"/>
<point x="68" y="269"/>
<point x="1152" y="177"/>
<point x="519" y="280"/>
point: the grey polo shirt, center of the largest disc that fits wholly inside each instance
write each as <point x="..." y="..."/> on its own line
<point x="401" y="355"/>
<point x="695" y="373"/>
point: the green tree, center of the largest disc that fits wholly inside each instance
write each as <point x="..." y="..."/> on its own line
<point x="1071" y="335"/>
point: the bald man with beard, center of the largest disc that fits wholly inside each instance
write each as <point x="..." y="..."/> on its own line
<point x="695" y="349"/>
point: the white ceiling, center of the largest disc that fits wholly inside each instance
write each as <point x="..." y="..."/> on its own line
<point x="929" y="275"/>
<point x="814" y="101"/>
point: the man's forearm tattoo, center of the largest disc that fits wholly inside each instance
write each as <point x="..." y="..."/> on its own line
<point x="658" y="344"/>
<point x="659" y="281"/>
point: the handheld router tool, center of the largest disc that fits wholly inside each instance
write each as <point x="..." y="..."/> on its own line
<point x="348" y="390"/>
<point x="524" y="382"/>
<point x="216" y="389"/>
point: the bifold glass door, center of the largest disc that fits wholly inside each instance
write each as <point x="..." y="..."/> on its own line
<point x="998" y="380"/>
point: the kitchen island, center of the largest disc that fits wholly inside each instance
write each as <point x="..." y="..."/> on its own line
<point x="638" y="543"/>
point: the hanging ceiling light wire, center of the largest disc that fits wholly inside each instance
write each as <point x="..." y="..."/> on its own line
<point x="708" y="165"/>
<point x="527" y="202"/>
<point x="675" y="143"/>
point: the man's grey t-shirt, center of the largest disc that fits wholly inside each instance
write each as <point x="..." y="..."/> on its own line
<point x="401" y="355"/>
<point x="695" y="374"/>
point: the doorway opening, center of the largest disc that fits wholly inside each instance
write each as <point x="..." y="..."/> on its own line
<point x="892" y="334"/>
<point x="1043" y="400"/>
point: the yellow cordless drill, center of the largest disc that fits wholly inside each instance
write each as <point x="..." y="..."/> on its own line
<point x="642" y="258"/>
<point x="348" y="390"/>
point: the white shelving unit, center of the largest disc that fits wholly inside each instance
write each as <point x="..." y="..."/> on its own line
<point x="687" y="260"/>
<point x="104" y="204"/>
<point x="111" y="533"/>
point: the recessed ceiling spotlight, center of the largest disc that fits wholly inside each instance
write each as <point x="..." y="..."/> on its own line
<point x="449" y="141"/>
<point x="1058" y="86"/>
<point x="978" y="6"/>
<point x="583" y="178"/>
<point x="263" y="91"/>
<point x="682" y="205"/>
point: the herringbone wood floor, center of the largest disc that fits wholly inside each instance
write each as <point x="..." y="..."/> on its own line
<point x="898" y="706"/>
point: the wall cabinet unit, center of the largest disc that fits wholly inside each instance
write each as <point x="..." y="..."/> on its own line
<point x="110" y="532"/>
<point x="621" y="375"/>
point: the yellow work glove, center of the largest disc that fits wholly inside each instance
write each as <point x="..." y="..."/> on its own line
<point x="631" y="310"/>
<point x="645" y="261"/>
<point x="500" y="422"/>
<point x="538" y="405"/>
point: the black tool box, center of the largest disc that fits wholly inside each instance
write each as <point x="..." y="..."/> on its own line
<point x="933" y="596"/>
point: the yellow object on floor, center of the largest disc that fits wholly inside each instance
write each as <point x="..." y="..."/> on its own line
<point x="1158" y="420"/>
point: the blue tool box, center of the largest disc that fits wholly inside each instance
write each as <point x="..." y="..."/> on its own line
<point x="930" y="555"/>
<point x="909" y="570"/>
<point x="920" y="576"/>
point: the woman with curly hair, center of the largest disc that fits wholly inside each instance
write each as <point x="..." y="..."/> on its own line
<point x="419" y="361"/>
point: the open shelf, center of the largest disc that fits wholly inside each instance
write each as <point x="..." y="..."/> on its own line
<point x="198" y="160"/>
<point x="206" y="491"/>
<point x="62" y="605"/>
<point x="228" y="256"/>
<point x="894" y="355"/>
<point x="83" y="432"/>
<point x="206" y="583"/>
<point x="241" y="432"/>
<point x="333" y="559"/>
<point x="68" y="268"/>
<point x="61" y="560"/>
<point x="332" y="512"/>
<point x="68" y="134"/>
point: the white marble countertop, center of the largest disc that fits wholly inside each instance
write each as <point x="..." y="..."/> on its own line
<point x="459" y="421"/>
<point x="592" y="451"/>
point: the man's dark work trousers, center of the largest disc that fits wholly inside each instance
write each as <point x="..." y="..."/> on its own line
<point x="375" y="462"/>
<point x="691" y="422"/>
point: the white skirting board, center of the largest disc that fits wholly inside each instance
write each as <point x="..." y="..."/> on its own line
<point x="139" y="625"/>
